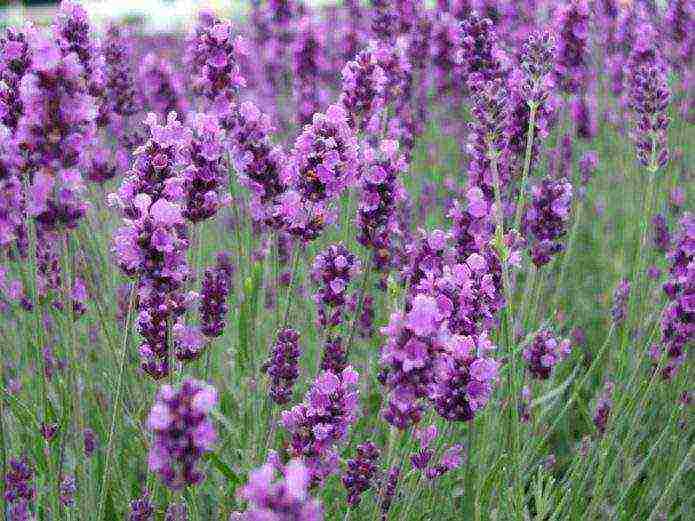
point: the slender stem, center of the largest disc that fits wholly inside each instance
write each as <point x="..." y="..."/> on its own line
<point x="533" y="107"/>
<point x="116" y="405"/>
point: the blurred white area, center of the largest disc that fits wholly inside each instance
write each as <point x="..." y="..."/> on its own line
<point x="157" y="15"/>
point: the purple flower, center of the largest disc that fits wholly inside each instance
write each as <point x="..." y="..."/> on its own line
<point x="91" y="443"/>
<point x="183" y="432"/>
<point x="309" y="67"/>
<point x="388" y="492"/>
<point x="15" y="62"/>
<point x="381" y="191"/>
<point x="332" y="271"/>
<point x="257" y="161"/>
<point x="621" y="294"/>
<point x="282" y="366"/>
<point x="360" y="473"/>
<point x="544" y="353"/>
<point x="121" y="97"/>
<point x="319" y="423"/>
<point x="363" y="88"/>
<point x="205" y="176"/>
<point x="67" y="491"/>
<point x="161" y="86"/>
<point x="464" y="378"/>
<point x="213" y="299"/>
<point x="283" y="497"/>
<point x="141" y="509"/>
<point x="588" y="164"/>
<point x="603" y="408"/>
<point x="335" y="356"/>
<point x="19" y="488"/>
<point x="662" y="236"/>
<point x="324" y="163"/>
<point x="572" y="21"/>
<point x="678" y="320"/>
<point x="176" y="512"/>
<point x="546" y="218"/>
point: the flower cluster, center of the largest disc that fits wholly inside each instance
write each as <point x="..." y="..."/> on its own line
<point x="572" y="20"/>
<point x="479" y="54"/>
<point x="662" y="236"/>
<point x="258" y="162"/>
<point x="213" y="299"/>
<point x="464" y="378"/>
<point x="324" y="162"/>
<point x="56" y="125"/>
<point x="322" y="420"/>
<point x="15" y="61"/>
<point x="73" y="34"/>
<point x="361" y="471"/>
<point x="183" y="432"/>
<point x="212" y="56"/>
<point x="363" y="89"/>
<point x="678" y="320"/>
<point x="450" y="459"/>
<point x="544" y="353"/>
<point x="141" y="509"/>
<point x="283" y="365"/>
<point x="621" y="294"/>
<point x="603" y="408"/>
<point x="308" y="57"/>
<point x="381" y="191"/>
<point x="121" y="99"/>
<point x="332" y="271"/>
<point x="205" y="174"/>
<point x="162" y="87"/>
<point x="151" y="246"/>
<point x="19" y="489"/>
<point x="286" y="497"/>
<point x="649" y="97"/>
<point x="546" y="218"/>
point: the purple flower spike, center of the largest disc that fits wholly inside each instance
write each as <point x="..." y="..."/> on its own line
<point x="319" y="423"/>
<point x="362" y="469"/>
<point x="364" y="85"/>
<point x="603" y="408"/>
<point x="183" y="432"/>
<point x="621" y="294"/>
<point x="19" y="488"/>
<point x="544" y="353"/>
<point x="279" y="498"/>
<point x="332" y="271"/>
<point x="141" y="509"/>
<point x="546" y="218"/>
<point x="213" y="300"/>
<point x="282" y="367"/>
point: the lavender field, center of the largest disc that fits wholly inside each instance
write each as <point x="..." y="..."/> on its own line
<point x="396" y="260"/>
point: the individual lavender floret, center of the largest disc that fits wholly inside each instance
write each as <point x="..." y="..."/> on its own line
<point x="212" y="54"/>
<point x="363" y="88"/>
<point x="678" y="321"/>
<point x="161" y="86"/>
<point x="141" y="509"/>
<point x="257" y="160"/>
<point x="282" y="365"/>
<point x="324" y="162"/>
<point x="279" y="498"/>
<point x="205" y="177"/>
<point x="603" y="408"/>
<point x="572" y="20"/>
<point x="388" y="492"/>
<point x="662" y="236"/>
<point x="15" y="62"/>
<point x="546" y="218"/>
<point x="381" y="191"/>
<point x="319" y="423"/>
<point x="649" y="97"/>
<point x="621" y="294"/>
<point x="67" y="491"/>
<point x="213" y="300"/>
<point x="332" y="271"/>
<point x="19" y="488"/>
<point x="544" y="353"/>
<point x="464" y="378"/>
<point x="183" y="432"/>
<point x="362" y="469"/>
